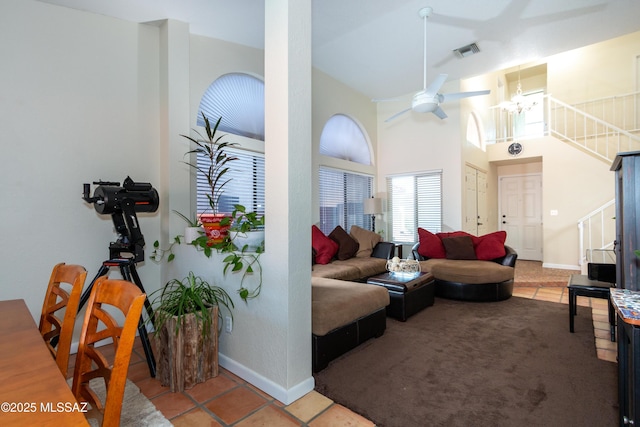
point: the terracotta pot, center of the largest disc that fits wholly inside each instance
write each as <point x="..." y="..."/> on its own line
<point x="212" y="227"/>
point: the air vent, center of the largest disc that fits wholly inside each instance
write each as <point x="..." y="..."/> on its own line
<point x="468" y="50"/>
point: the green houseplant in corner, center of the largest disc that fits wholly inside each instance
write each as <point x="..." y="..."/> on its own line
<point x="187" y="314"/>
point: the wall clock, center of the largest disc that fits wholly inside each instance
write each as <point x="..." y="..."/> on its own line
<point x="515" y="148"/>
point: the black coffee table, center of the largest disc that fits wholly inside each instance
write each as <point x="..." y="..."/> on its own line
<point x="580" y="285"/>
<point x="409" y="293"/>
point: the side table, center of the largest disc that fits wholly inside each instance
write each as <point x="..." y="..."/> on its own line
<point x="580" y="285"/>
<point x="409" y="293"/>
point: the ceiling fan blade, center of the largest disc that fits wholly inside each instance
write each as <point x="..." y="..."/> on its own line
<point x="460" y="95"/>
<point x="395" y="98"/>
<point x="440" y="113"/>
<point x="397" y="114"/>
<point x="435" y="85"/>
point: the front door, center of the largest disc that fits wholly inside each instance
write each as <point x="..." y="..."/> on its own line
<point x="521" y="214"/>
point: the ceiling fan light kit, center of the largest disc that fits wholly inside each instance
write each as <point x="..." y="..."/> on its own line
<point x="428" y="100"/>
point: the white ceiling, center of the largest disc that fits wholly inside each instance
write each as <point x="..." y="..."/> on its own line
<point x="376" y="46"/>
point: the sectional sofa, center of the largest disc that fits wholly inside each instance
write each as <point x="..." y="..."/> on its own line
<point x="345" y="310"/>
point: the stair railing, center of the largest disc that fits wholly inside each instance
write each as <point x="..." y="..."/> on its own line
<point x="568" y="124"/>
<point x="622" y="111"/>
<point x="590" y="133"/>
<point x="597" y="232"/>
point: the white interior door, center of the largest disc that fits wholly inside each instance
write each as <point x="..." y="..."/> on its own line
<point x="476" y="201"/>
<point x="521" y="214"/>
<point x="471" y="205"/>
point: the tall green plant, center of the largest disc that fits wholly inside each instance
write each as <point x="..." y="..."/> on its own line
<point x="213" y="148"/>
<point x="189" y="295"/>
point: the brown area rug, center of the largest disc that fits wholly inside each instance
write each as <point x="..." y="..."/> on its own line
<point x="456" y="363"/>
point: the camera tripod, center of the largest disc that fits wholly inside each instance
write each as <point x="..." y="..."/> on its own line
<point x="128" y="270"/>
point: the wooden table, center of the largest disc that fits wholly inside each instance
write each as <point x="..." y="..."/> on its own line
<point x="32" y="389"/>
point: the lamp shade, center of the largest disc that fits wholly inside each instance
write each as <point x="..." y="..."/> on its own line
<point x="373" y="206"/>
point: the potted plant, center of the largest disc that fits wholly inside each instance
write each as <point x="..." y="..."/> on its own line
<point x="193" y="230"/>
<point x="214" y="149"/>
<point x="241" y="256"/>
<point x="186" y="323"/>
<point x="246" y="231"/>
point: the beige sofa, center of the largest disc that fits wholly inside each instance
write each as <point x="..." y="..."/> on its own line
<point x="345" y="310"/>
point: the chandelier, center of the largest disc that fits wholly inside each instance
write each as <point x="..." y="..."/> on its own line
<point x="519" y="103"/>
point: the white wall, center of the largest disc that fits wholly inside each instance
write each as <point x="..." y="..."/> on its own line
<point x="416" y="142"/>
<point x="78" y="103"/>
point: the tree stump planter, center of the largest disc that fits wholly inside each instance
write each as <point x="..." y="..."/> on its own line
<point x="187" y="358"/>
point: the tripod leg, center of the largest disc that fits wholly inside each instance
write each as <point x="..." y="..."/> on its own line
<point x="103" y="271"/>
<point x="138" y="282"/>
<point x="129" y="272"/>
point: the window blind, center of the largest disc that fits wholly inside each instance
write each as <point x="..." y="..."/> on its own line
<point x="341" y="195"/>
<point x="246" y="185"/>
<point x="414" y="201"/>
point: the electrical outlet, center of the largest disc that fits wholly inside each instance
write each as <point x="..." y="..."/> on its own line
<point x="228" y="325"/>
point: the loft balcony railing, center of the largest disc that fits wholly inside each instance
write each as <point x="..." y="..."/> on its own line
<point x="565" y="122"/>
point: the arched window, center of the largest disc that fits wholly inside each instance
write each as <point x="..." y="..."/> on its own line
<point x="475" y="132"/>
<point x="342" y="193"/>
<point x="239" y="99"/>
<point x="343" y="138"/>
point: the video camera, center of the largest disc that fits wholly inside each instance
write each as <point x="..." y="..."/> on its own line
<point x="122" y="202"/>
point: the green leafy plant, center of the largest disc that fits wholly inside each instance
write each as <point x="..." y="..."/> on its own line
<point x="213" y="148"/>
<point x="191" y="221"/>
<point x="637" y="252"/>
<point x="158" y="253"/>
<point x="239" y="259"/>
<point x="192" y="294"/>
<point x="243" y="221"/>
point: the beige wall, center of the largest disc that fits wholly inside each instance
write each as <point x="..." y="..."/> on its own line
<point x="79" y="103"/>
<point x="599" y="70"/>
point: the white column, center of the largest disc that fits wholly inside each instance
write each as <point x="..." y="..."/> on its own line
<point x="175" y="178"/>
<point x="287" y="276"/>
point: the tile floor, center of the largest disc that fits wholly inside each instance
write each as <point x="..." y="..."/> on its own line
<point x="227" y="400"/>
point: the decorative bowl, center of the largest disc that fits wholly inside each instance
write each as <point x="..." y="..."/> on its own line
<point x="397" y="265"/>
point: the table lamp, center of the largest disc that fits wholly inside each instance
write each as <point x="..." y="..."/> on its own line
<point x="373" y="206"/>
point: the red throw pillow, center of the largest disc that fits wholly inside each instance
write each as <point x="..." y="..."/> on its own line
<point x="430" y="244"/>
<point x="325" y="247"/>
<point x="491" y="246"/>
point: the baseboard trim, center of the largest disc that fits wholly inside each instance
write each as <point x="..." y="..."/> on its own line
<point x="286" y="396"/>
<point x="561" y="266"/>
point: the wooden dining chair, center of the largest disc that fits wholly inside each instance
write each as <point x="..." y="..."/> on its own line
<point x="51" y="327"/>
<point x="92" y="362"/>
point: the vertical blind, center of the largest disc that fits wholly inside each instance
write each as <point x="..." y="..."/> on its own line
<point x="414" y="201"/>
<point x="246" y="186"/>
<point x="341" y="199"/>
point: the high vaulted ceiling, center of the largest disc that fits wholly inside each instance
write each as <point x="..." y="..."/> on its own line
<point x="376" y="46"/>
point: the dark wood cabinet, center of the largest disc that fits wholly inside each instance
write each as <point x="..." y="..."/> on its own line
<point x="626" y="298"/>
<point x="627" y="169"/>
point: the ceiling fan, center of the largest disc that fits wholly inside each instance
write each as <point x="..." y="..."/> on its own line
<point x="428" y="100"/>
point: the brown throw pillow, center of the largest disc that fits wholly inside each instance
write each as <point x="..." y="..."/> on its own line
<point x="366" y="239"/>
<point x="460" y="247"/>
<point x="347" y="245"/>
